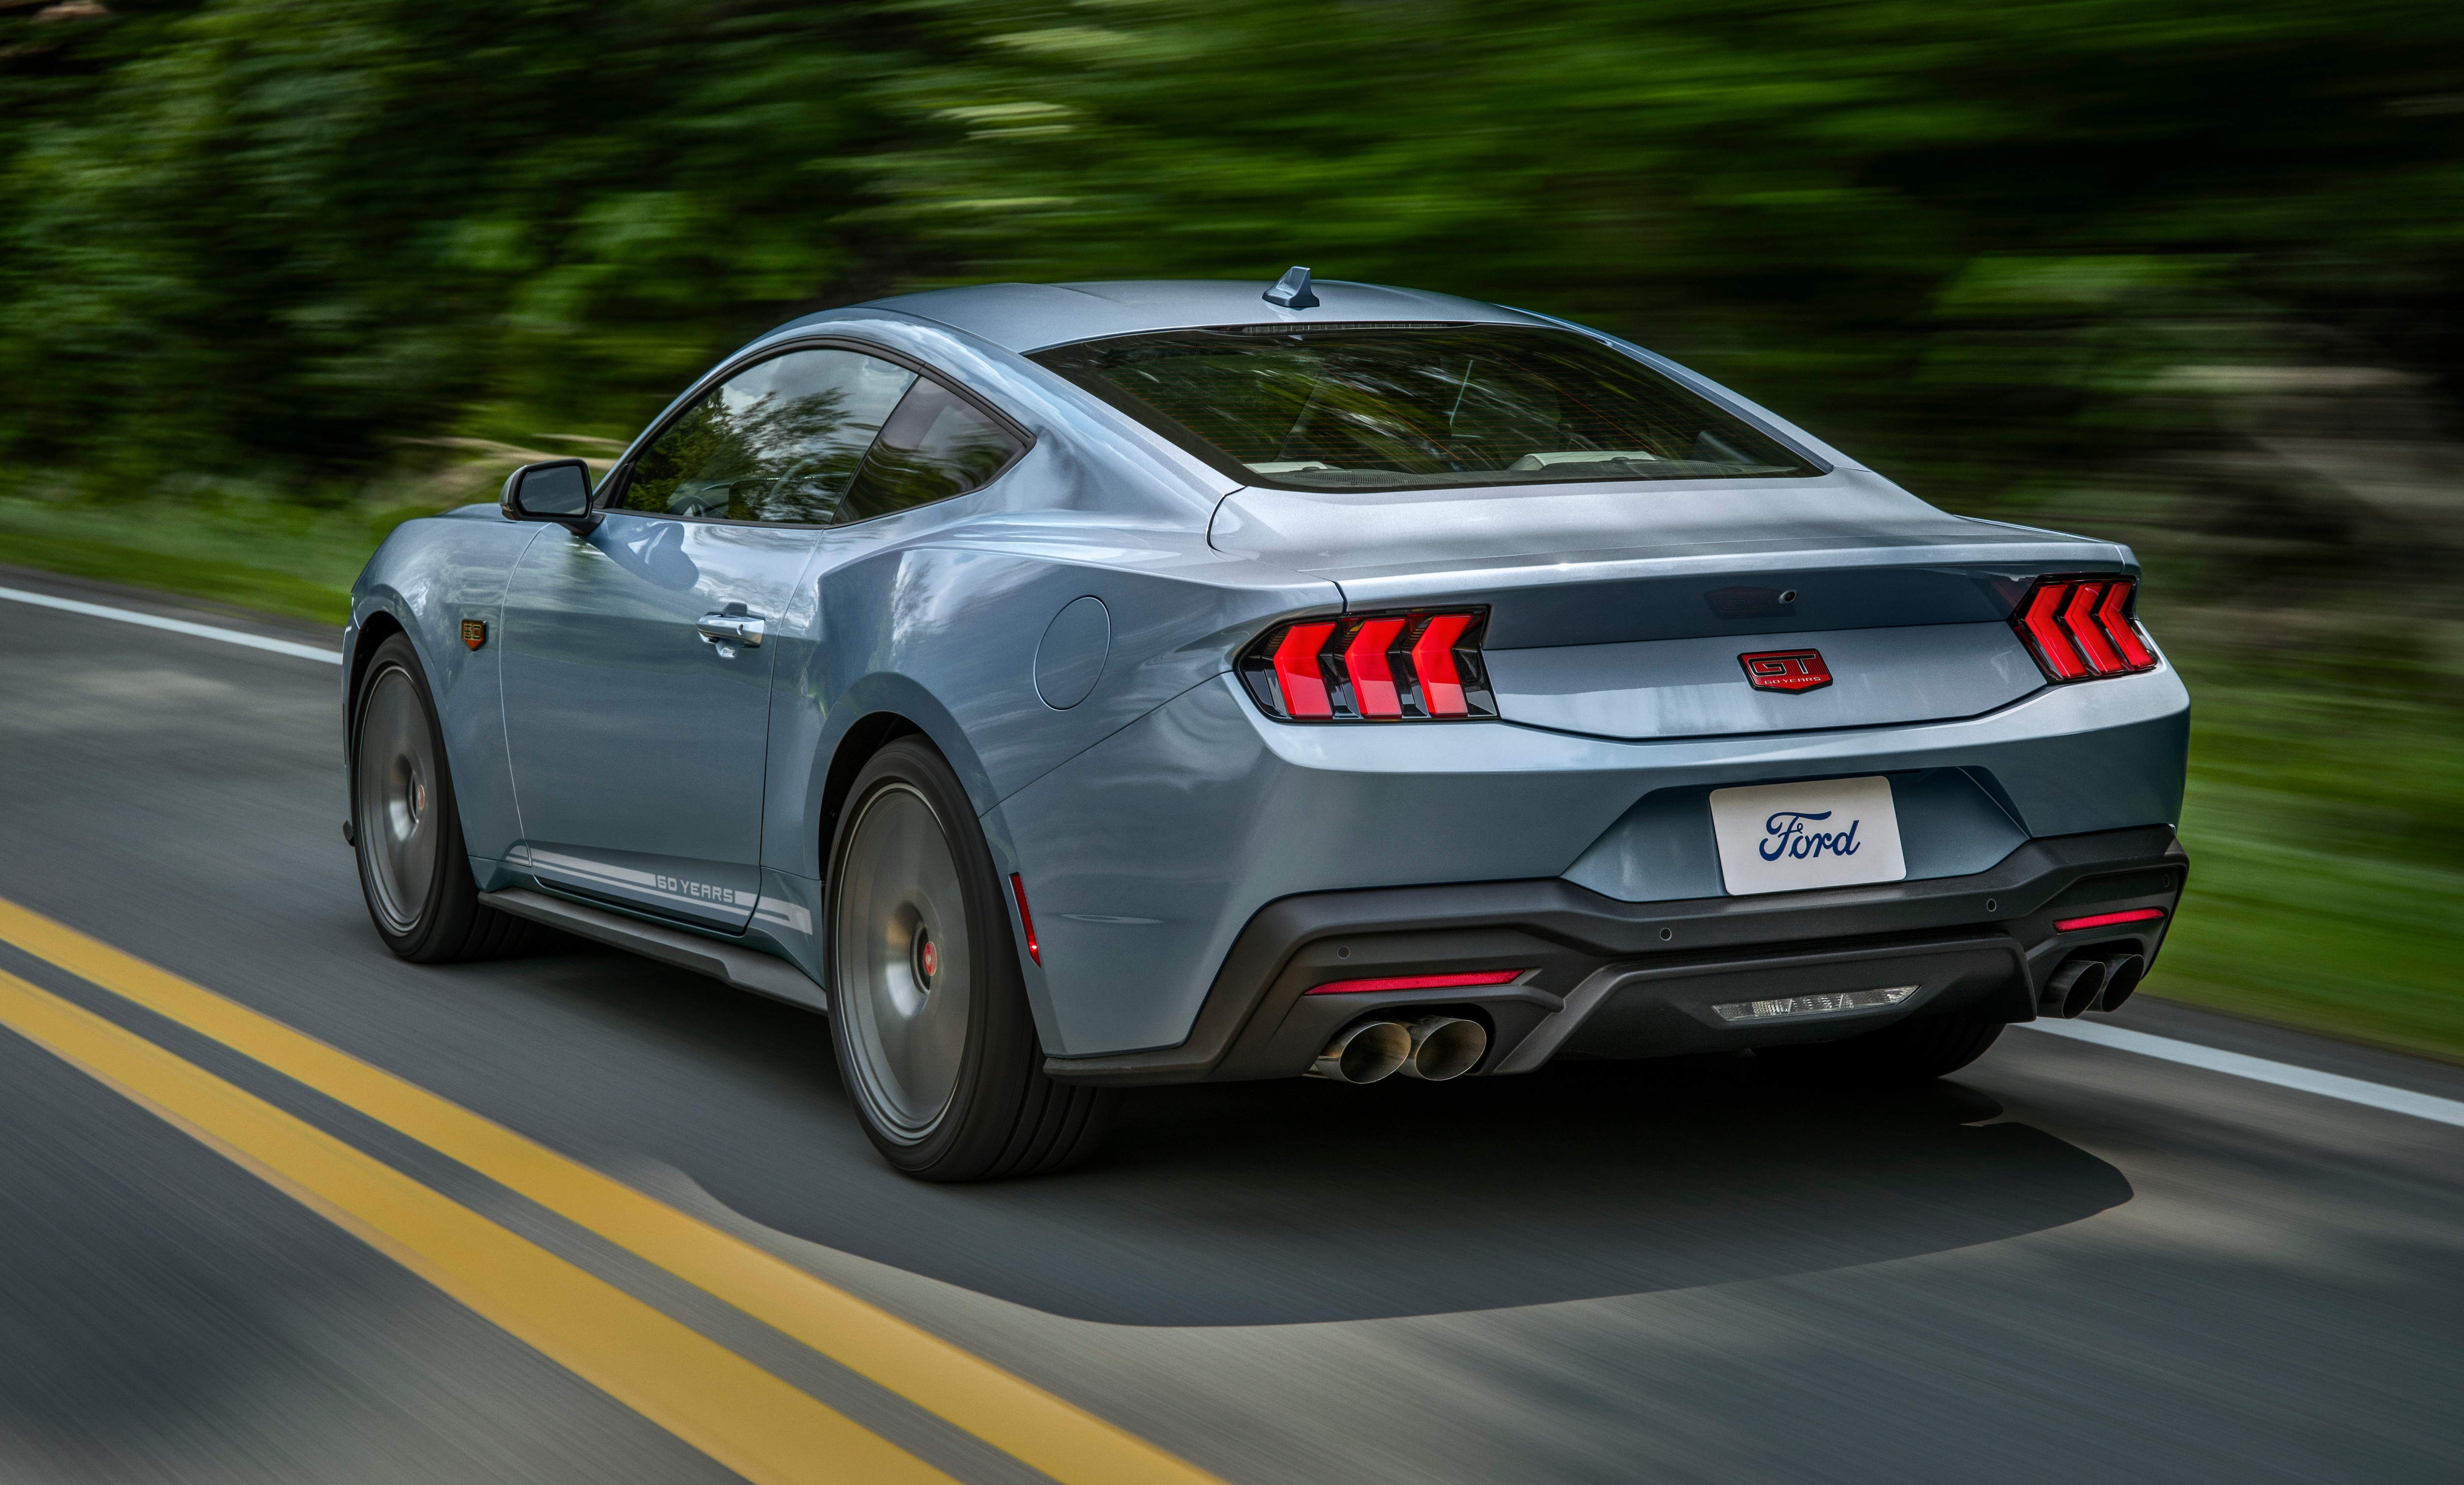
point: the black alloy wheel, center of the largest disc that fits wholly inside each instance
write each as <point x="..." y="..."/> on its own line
<point x="928" y="1002"/>
<point x="405" y="826"/>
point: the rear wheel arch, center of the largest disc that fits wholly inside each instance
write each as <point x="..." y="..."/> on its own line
<point x="868" y="735"/>
<point x="885" y="706"/>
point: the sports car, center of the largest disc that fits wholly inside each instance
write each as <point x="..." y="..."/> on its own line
<point x="1070" y="687"/>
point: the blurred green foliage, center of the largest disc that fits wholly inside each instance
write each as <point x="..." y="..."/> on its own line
<point x="2186" y="273"/>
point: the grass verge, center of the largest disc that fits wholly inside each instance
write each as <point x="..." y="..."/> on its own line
<point x="251" y="554"/>
<point x="261" y="588"/>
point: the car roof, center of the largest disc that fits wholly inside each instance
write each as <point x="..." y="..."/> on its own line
<point x="1028" y="317"/>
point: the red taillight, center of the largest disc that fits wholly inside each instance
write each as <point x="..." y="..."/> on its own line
<point x="1373" y="679"/>
<point x="1425" y="981"/>
<point x="2136" y="915"/>
<point x="1026" y="919"/>
<point x="1297" y="672"/>
<point x="2114" y="615"/>
<point x="2045" y="635"/>
<point x="2078" y="617"/>
<point x="1433" y="660"/>
<point x="1419" y="666"/>
<point x="2080" y="628"/>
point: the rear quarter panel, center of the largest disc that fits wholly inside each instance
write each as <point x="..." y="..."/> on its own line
<point x="946" y="632"/>
<point x="937" y="613"/>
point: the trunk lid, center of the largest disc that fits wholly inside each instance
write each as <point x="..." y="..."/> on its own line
<point x="1622" y="610"/>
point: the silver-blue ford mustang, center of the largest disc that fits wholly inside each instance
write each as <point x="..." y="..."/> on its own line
<point x="1068" y="687"/>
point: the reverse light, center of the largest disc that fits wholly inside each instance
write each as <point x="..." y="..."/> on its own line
<point x="1416" y="665"/>
<point x="2081" y="627"/>
<point x="2136" y="915"/>
<point x="1421" y="982"/>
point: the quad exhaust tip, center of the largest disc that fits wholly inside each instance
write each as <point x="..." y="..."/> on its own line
<point x="1444" y="1046"/>
<point x="2123" y="973"/>
<point x="1366" y="1053"/>
<point x="2074" y="988"/>
<point x="1432" y="1049"/>
<point x="2091" y="982"/>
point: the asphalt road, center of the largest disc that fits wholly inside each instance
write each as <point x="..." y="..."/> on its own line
<point x="2067" y="1263"/>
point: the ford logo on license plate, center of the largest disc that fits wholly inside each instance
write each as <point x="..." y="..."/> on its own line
<point x="1787" y="837"/>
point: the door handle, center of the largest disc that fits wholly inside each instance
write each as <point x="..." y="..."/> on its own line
<point x="731" y="628"/>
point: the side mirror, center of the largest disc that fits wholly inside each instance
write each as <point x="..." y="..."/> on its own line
<point x="558" y="490"/>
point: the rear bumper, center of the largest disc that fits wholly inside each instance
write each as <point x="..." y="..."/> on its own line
<point x="1147" y="855"/>
<point x="1616" y="979"/>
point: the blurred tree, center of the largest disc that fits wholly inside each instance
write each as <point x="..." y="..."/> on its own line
<point x="276" y="236"/>
<point x="1786" y="192"/>
<point x="280" y="234"/>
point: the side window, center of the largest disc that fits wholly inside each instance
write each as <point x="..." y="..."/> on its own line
<point x="780" y="441"/>
<point x="936" y="444"/>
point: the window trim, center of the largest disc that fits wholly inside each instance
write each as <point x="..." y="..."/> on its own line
<point x="1195" y="445"/>
<point x="728" y="371"/>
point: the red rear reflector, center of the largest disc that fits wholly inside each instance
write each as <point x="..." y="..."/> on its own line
<point x="1297" y="673"/>
<point x="1026" y="919"/>
<point x="1428" y="981"/>
<point x="2078" y="617"/>
<point x="1373" y="679"/>
<point x="2118" y="626"/>
<point x="1433" y="660"/>
<point x="2037" y="621"/>
<point x="2137" y="915"/>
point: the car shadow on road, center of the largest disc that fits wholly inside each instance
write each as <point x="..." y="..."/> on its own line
<point x="1303" y="1201"/>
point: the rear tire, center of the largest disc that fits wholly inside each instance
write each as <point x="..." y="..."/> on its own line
<point x="1905" y="1052"/>
<point x="927" y="1005"/>
<point x="407" y="827"/>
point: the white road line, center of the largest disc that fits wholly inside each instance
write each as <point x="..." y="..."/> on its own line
<point x="229" y="636"/>
<point x="2283" y="1075"/>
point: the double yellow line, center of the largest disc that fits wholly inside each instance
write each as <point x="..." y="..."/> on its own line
<point x="712" y="1399"/>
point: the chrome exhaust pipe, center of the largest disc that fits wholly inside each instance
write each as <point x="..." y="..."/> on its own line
<point x="1364" y="1053"/>
<point x="2123" y="973"/>
<point x="1444" y="1046"/>
<point x="2073" y="988"/>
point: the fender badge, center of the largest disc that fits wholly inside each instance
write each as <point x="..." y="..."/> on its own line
<point x="1785" y="670"/>
<point x="474" y="632"/>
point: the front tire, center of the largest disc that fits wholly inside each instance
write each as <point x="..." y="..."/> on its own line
<point x="928" y="1007"/>
<point x="405" y="824"/>
<point x="1904" y="1052"/>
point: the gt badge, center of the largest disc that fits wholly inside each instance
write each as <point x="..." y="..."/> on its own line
<point x="474" y="632"/>
<point x="1785" y="670"/>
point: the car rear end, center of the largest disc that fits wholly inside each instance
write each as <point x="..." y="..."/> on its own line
<point x="1679" y="738"/>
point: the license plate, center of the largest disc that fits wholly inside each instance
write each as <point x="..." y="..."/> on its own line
<point x="1786" y="837"/>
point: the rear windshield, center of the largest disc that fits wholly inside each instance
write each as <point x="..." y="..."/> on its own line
<point x="1386" y="406"/>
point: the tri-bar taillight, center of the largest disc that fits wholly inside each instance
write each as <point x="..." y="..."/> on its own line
<point x="1415" y="665"/>
<point x="2081" y="627"/>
